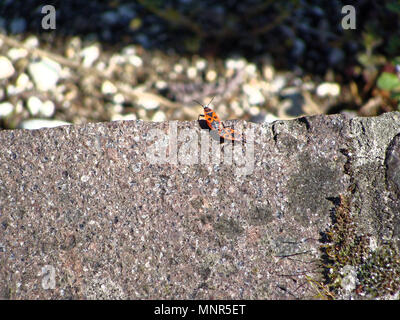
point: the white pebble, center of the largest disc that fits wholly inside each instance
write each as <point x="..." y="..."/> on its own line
<point x="235" y="64"/>
<point x="31" y="42"/>
<point x="201" y="64"/>
<point x="211" y="76"/>
<point x="178" y="68"/>
<point x="254" y="94"/>
<point x="235" y="106"/>
<point x="45" y="73"/>
<point x="115" y="60"/>
<point x="119" y="98"/>
<point x="23" y="83"/>
<point x="17" y="53"/>
<point x="5" y="109"/>
<point x="269" y="117"/>
<point x="160" y="85"/>
<point x="34" y="105"/>
<point x="278" y="83"/>
<point x="118" y="117"/>
<point x="191" y="72"/>
<point x="136" y="61"/>
<point x="268" y="72"/>
<point x="230" y="64"/>
<point x="12" y="90"/>
<point x="148" y="103"/>
<point x="90" y="55"/>
<point x="142" y="114"/>
<point x="19" y="107"/>
<point x="129" y="50"/>
<point x="159" y="116"/>
<point x="254" y="110"/>
<point x="328" y="89"/>
<point x="251" y="69"/>
<point x="116" y="108"/>
<point x="6" y="68"/>
<point x="108" y="87"/>
<point x="47" y="109"/>
<point x="33" y="124"/>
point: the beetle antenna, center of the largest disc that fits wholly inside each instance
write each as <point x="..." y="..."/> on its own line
<point x="206" y="104"/>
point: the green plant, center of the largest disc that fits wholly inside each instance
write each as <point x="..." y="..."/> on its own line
<point x="391" y="82"/>
<point x="378" y="271"/>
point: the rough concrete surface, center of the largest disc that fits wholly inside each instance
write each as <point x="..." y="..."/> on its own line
<point x="84" y="213"/>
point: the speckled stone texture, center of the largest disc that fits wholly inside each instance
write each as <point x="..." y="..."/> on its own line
<point x="85" y="215"/>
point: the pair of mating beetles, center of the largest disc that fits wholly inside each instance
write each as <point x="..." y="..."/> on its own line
<point x="214" y="123"/>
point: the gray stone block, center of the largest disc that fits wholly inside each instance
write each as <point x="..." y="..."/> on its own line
<point x="86" y="214"/>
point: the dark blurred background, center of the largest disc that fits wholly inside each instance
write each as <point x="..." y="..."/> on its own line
<point x="148" y="59"/>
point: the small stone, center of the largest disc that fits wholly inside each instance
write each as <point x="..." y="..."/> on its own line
<point x="201" y="64"/>
<point x="254" y="94"/>
<point x="33" y="124"/>
<point x="142" y="114"/>
<point x="148" y="103"/>
<point x="118" y="117"/>
<point x="90" y="55"/>
<point x="47" y="109"/>
<point x="254" y="111"/>
<point x="278" y="83"/>
<point x="211" y="76"/>
<point x="191" y="72"/>
<point x="31" y="42"/>
<point x="128" y="51"/>
<point x="116" y="60"/>
<point x="45" y="73"/>
<point x="178" y="68"/>
<point x="6" y="68"/>
<point x="237" y="109"/>
<point x="12" y="90"/>
<point x="159" y="116"/>
<point x="251" y="69"/>
<point x="118" y="98"/>
<point x="161" y="85"/>
<point x="235" y="64"/>
<point x="135" y="61"/>
<point x="115" y="108"/>
<point x="108" y="87"/>
<point x="328" y="89"/>
<point x="268" y="72"/>
<point x="23" y="83"/>
<point x="34" y="104"/>
<point x="6" y="108"/>
<point x="17" y="53"/>
<point x="269" y="117"/>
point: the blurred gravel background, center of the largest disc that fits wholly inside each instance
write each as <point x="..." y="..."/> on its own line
<point x="262" y="60"/>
